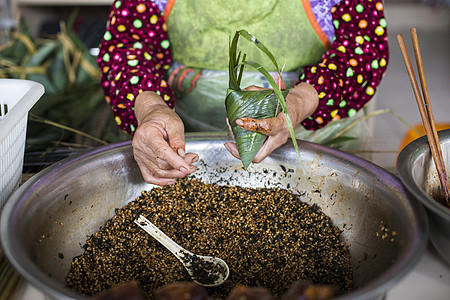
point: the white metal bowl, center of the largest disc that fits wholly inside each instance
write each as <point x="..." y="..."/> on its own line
<point x="46" y="222"/>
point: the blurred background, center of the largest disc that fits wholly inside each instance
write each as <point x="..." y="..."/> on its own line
<point x="74" y="99"/>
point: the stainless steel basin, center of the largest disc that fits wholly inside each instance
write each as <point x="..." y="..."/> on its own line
<point x="47" y="220"/>
<point x="416" y="169"/>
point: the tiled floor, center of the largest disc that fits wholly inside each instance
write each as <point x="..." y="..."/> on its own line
<point x="395" y="92"/>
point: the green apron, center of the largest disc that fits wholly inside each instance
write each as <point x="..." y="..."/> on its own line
<point x="199" y="76"/>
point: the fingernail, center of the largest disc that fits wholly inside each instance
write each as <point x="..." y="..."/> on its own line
<point x="195" y="159"/>
<point x="239" y="122"/>
<point x="184" y="170"/>
<point x="181" y="152"/>
<point x="227" y="147"/>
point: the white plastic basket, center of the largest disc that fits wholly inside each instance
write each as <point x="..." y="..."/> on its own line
<point x="17" y="97"/>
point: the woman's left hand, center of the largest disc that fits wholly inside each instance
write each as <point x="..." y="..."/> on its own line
<point x="301" y="101"/>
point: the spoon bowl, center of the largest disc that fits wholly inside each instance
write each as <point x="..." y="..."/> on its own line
<point x="208" y="271"/>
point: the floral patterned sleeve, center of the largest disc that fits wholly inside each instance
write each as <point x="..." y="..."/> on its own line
<point x="133" y="57"/>
<point x="350" y="72"/>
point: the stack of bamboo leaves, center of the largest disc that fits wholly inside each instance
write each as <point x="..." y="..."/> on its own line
<point x="71" y="78"/>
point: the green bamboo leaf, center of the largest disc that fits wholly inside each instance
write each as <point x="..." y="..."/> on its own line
<point x="260" y="45"/>
<point x="88" y="70"/>
<point x="42" y="54"/>
<point x="57" y="71"/>
<point x="14" y="51"/>
<point x="78" y="43"/>
<point x="233" y="82"/>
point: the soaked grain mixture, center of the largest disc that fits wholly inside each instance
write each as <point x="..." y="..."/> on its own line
<point x="268" y="237"/>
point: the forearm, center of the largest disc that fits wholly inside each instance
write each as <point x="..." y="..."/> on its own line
<point x="350" y="72"/>
<point x="134" y="55"/>
<point x="302" y="101"/>
<point x="145" y="103"/>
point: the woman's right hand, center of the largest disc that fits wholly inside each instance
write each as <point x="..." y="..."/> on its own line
<point x="158" y="143"/>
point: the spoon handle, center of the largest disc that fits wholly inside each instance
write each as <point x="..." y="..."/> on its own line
<point x="160" y="236"/>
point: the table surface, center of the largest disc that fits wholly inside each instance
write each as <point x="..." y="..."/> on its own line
<point x="430" y="279"/>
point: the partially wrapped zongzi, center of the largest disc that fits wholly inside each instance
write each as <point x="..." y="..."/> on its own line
<point x="257" y="104"/>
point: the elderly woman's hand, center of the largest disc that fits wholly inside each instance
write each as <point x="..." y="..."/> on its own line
<point x="158" y="143"/>
<point x="301" y="101"/>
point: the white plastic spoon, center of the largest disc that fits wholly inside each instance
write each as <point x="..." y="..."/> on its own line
<point x="205" y="270"/>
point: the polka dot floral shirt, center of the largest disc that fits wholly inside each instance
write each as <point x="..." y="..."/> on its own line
<point x="135" y="54"/>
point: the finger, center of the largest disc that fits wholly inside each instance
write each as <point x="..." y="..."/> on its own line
<point x="272" y="143"/>
<point x="167" y="158"/>
<point x="171" y="172"/>
<point x="191" y="158"/>
<point x="175" y="138"/>
<point x="255" y="88"/>
<point x="268" y="126"/>
<point x="263" y="152"/>
<point x="154" y="141"/>
<point x="232" y="148"/>
<point x="146" y="155"/>
<point x="148" y="176"/>
<point x="156" y="170"/>
<point x="153" y="172"/>
<point x="230" y="129"/>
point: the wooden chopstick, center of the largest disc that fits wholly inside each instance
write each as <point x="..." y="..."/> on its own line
<point x="425" y="110"/>
<point x="426" y="96"/>
<point x="428" y="109"/>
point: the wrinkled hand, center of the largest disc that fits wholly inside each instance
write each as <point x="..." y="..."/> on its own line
<point x="301" y="101"/>
<point x="158" y="143"/>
